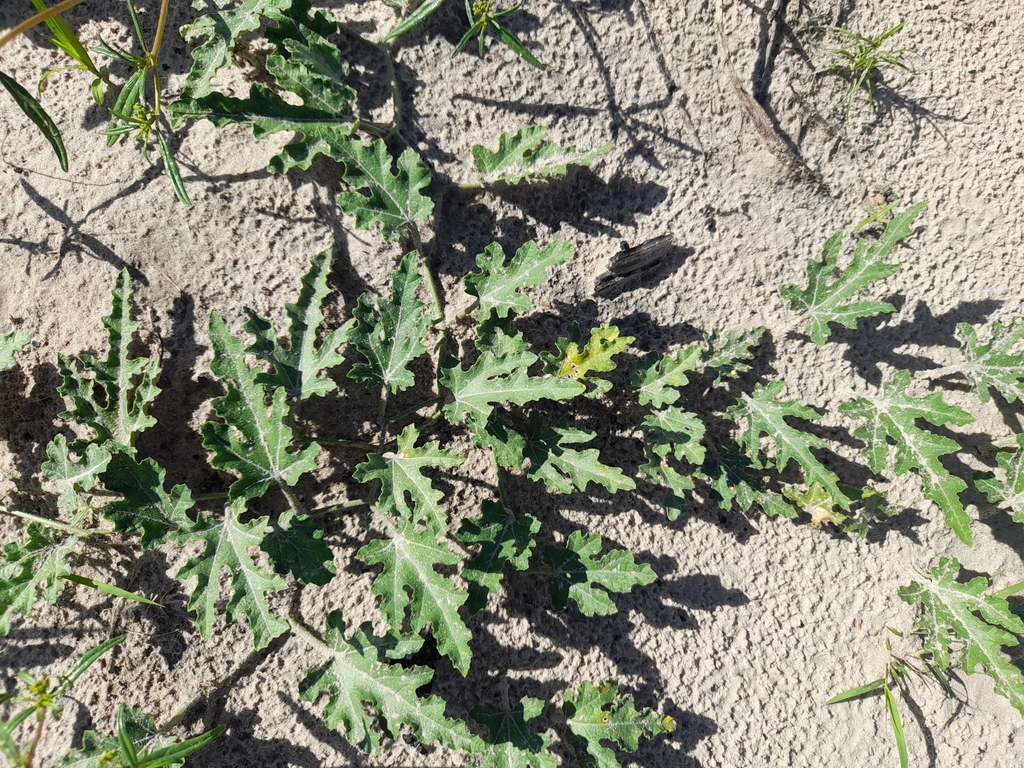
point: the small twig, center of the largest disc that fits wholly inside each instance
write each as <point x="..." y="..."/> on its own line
<point x="762" y="123"/>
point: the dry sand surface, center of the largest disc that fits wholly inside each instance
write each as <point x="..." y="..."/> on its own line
<point x="753" y="623"/>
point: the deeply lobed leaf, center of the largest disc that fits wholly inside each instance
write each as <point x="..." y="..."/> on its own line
<point x="658" y="378"/>
<point x="12" y="342"/>
<point x="355" y="673"/>
<point x="499" y="375"/>
<point x="497" y="285"/>
<point x="145" y="504"/>
<point x="296" y="546"/>
<point x="733" y="478"/>
<point x="299" y="366"/>
<point x="1009" y="490"/>
<point x="827" y="302"/>
<point x="577" y="571"/>
<point x="221" y="30"/>
<point x="994" y="365"/>
<point x="112" y="395"/>
<point x="526" y="157"/>
<point x="893" y="414"/>
<point x="504" y="539"/>
<point x="726" y="355"/>
<point x="410" y="584"/>
<point x="393" y="336"/>
<point x="394" y="199"/>
<point x="227" y="542"/>
<point x="961" y="619"/>
<point x="304" y="63"/>
<point x="764" y="413"/>
<point x="405" y="491"/>
<point x="513" y="744"/>
<point x="38" y="565"/>
<point x="576" y="360"/>
<point x="254" y="439"/>
<point x="597" y="714"/>
<point x="70" y="475"/>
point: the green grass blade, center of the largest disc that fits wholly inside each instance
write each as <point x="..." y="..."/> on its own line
<point x="124" y="739"/>
<point x="64" y="37"/>
<point x="897" y="727"/>
<point x="513" y="42"/>
<point x="413" y="19"/>
<point x="7" y="746"/>
<point x="172" y="171"/>
<point x="175" y="753"/>
<point x="67" y="680"/>
<point x="465" y="40"/>
<point x="109" y="589"/>
<point x="853" y="693"/>
<point x="35" y="112"/>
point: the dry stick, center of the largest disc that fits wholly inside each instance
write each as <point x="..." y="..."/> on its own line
<point x="756" y="112"/>
<point x="670" y="83"/>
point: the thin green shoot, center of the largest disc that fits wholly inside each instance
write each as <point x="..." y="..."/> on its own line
<point x="39" y="697"/>
<point x="897" y="676"/>
<point x="110" y="589"/>
<point x="482" y="18"/>
<point x="64" y="37"/>
<point x="881" y="216"/>
<point x="863" y="59"/>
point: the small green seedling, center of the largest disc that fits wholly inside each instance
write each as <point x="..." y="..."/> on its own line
<point x="863" y="60"/>
<point x="39" y="698"/>
<point x="481" y="18"/>
<point x="961" y="626"/>
<point x="897" y="676"/>
<point x="64" y="37"/>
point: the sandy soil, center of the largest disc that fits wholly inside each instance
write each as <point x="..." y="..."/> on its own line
<point x="754" y="623"/>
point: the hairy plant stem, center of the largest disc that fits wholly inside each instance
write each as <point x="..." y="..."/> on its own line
<point x="414" y="409"/>
<point x="30" y="755"/>
<point x="353" y="444"/>
<point x="350" y="504"/>
<point x="154" y="53"/>
<point x="38" y="19"/>
<point x="51" y="523"/>
<point x="293" y="501"/>
<point x="306" y="635"/>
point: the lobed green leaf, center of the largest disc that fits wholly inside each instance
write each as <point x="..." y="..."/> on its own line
<point x="893" y="414"/>
<point x="112" y="395"/>
<point x="12" y="342"/>
<point x="405" y="491"/>
<point x="513" y="744"/>
<point x="355" y="676"/>
<point x="577" y="571"/>
<point x="962" y="619"/>
<point x="993" y="365"/>
<point x="497" y="285"/>
<point x="596" y="714"/>
<point x="227" y="543"/>
<point x="37" y="566"/>
<point x="827" y="302"/>
<point x="764" y="413"/>
<point x="392" y="336"/>
<point x="526" y="157"/>
<point x="299" y="366"/>
<point x="253" y="440"/>
<point x="504" y="539"/>
<point x="1009" y="490"/>
<point x="410" y="584"/>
